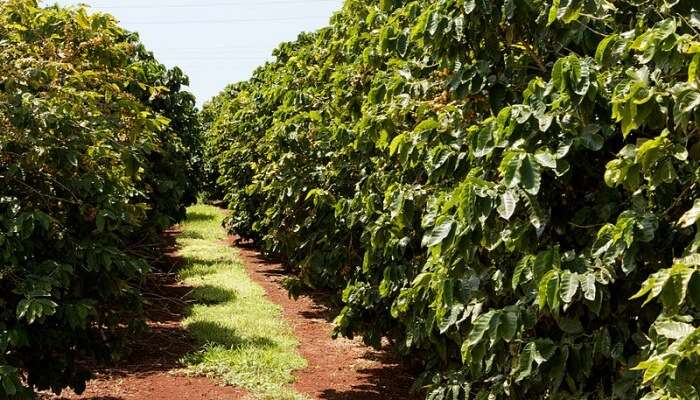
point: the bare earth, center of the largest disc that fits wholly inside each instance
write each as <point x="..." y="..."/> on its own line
<point x="338" y="369"/>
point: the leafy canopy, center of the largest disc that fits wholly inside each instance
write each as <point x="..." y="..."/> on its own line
<point x="506" y="189"/>
<point x="95" y="144"/>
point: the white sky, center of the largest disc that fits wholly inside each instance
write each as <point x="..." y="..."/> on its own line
<point x="216" y="42"/>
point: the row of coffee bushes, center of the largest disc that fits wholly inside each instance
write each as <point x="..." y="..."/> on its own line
<point x="98" y="145"/>
<point x="507" y="190"/>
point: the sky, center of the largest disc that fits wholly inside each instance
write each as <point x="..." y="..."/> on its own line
<point x="216" y="42"/>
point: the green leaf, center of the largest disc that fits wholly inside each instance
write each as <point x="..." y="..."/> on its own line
<point x="591" y="139"/>
<point x="483" y="142"/>
<point x="569" y="286"/>
<point x="450" y="319"/>
<point x="553" y="290"/>
<point x="421" y="25"/>
<point x="548" y="290"/>
<point x="476" y="334"/>
<point x="434" y="23"/>
<point x="510" y="168"/>
<point x="509" y="202"/>
<point x="469" y="6"/>
<point x="572" y="11"/>
<point x="315" y="116"/>
<point x="588" y="286"/>
<point x="531" y="175"/>
<point x="23" y="308"/>
<point x="546" y="159"/>
<point x="651" y="151"/>
<point x="627" y="117"/>
<point x="82" y="19"/>
<point x="553" y="12"/>
<point x="691" y="217"/>
<point x="423" y="280"/>
<point x="691" y="260"/>
<point x="521" y="270"/>
<point x="377" y="94"/>
<point x="694" y="69"/>
<point x="395" y="143"/>
<point x="537" y="352"/>
<point x="652" y="369"/>
<point x="546" y="261"/>
<point x="438" y="234"/>
<point x="386" y="5"/>
<point x="673" y="329"/>
<point x="509" y="325"/>
<point x="402" y="45"/>
<point x="603" y="48"/>
<point x="525" y="362"/>
<point x="427" y="125"/>
<point x="686" y="104"/>
<point x="675" y="290"/>
<point x="480" y="327"/>
<point x="536" y="214"/>
<point x="653" y="286"/>
<point x="314" y="193"/>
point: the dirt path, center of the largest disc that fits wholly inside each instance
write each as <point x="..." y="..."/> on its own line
<point x="152" y="370"/>
<point x="338" y="369"/>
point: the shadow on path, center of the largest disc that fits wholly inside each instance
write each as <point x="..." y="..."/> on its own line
<point x="149" y="370"/>
<point x="338" y="369"/>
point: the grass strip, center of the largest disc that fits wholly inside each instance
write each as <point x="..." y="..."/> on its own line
<point x="245" y="340"/>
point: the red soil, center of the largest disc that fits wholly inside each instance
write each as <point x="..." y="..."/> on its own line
<point x="152" y="370"/>
<point x="338" y="369"/>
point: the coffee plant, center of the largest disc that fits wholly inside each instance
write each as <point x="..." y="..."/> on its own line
<point x="98" y="145"/>
<point x="507" y="190"/>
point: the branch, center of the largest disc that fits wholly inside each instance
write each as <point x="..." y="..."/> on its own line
<point x="531" y="52"/>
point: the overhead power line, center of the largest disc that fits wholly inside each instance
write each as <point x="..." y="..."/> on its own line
<point x="213" y="48"/>
<point x="216" y="53"/>
<point x="210" y="5"/>
<point x="175" y="57"/>
<point x="227" y="21"/>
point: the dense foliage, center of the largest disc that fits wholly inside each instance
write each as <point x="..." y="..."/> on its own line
<point x="506" y="189"/>
<point x="97" y="148"/>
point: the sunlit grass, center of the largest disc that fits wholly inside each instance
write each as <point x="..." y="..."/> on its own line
<point x="245" y="341"/>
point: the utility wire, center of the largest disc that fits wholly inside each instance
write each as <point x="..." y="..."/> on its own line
<point x="209" y="5"/>
<point x="226" y="21"/>
<point x="216" y="58"/>
<point x="213" y="48"/>
<point x="229" y="54"/>
<point x="250" y="51"/>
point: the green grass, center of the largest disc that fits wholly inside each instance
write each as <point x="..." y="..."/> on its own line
<point x="245" y="341"/>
